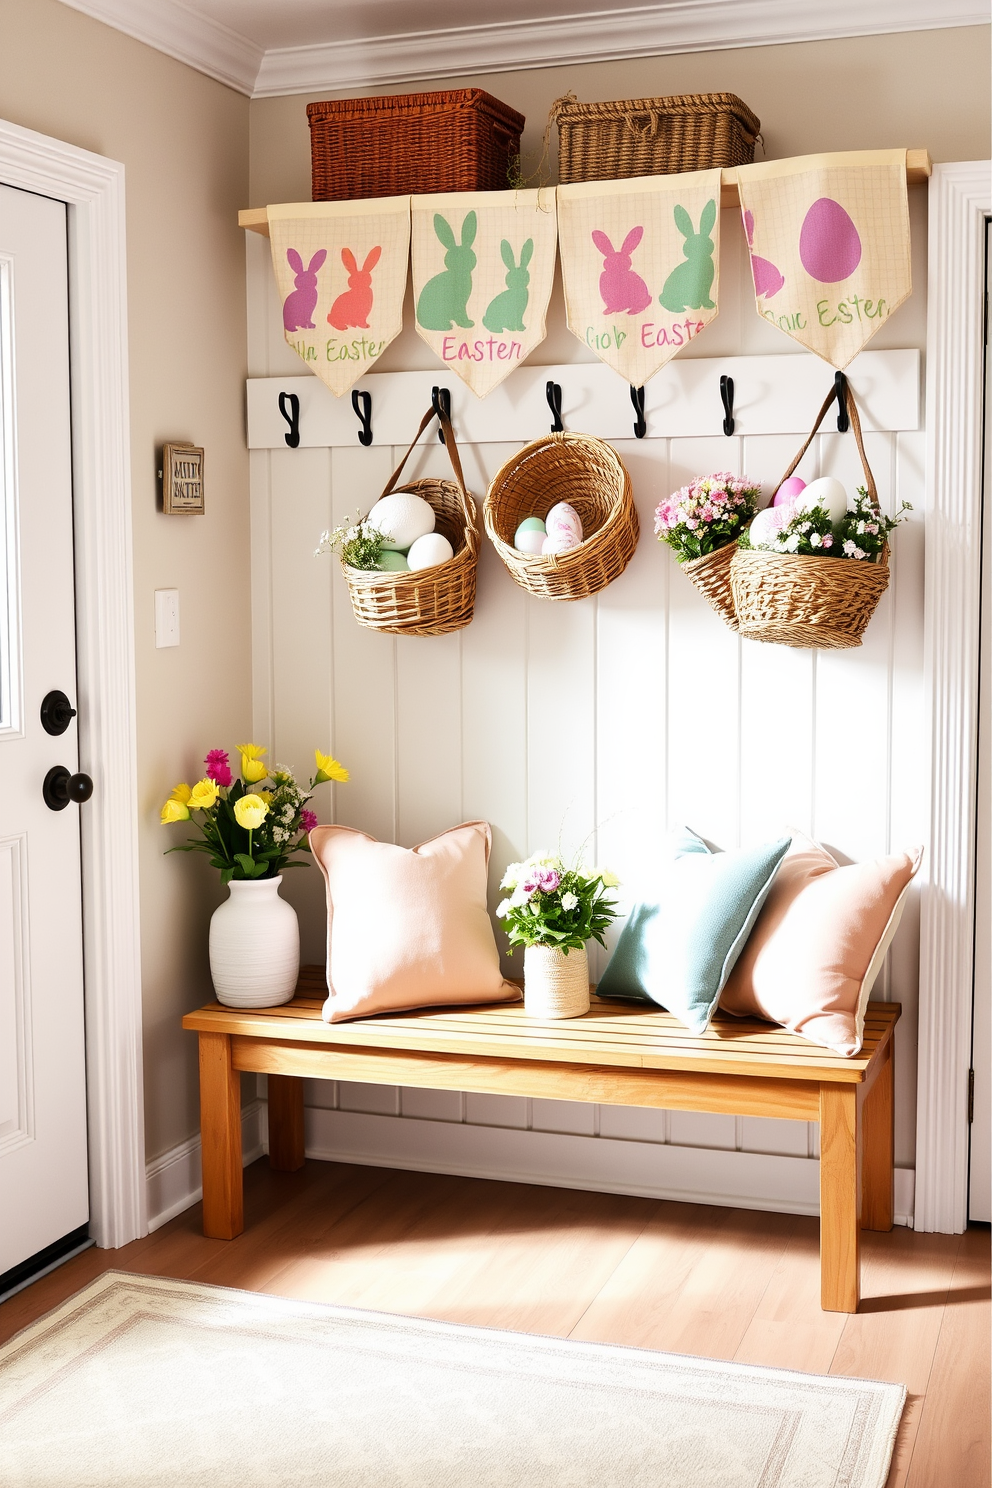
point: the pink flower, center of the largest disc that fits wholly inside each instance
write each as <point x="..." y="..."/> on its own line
<point x="828" y="541"/>
<point x="308" y="820"/>
<point x="542" y="880"/>
<point x="218" y="767"/>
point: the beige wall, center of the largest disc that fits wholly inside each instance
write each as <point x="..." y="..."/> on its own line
<point x="920" y="88"/>
<point x="183" y="141"/>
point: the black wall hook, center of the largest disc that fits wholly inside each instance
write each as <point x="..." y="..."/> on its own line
<point x="441" y="403"/>
<point x="361" y="402"/>
<point x="840" y="388"/>
<point x="553" y="394"/>
<point x="289" y="407"/>
<point x="637" y="398"/>
<point x="727" y="398"/>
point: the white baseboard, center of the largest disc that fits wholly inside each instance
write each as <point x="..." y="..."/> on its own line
<point x="655" y="1170"/>
<point x="173" y="1181"/>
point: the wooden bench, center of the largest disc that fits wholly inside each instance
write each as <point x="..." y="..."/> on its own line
<point x="617" y="1054"/>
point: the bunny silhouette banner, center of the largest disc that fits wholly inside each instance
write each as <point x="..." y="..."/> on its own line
<point x="483" y="266"/>
<point x="341" y="274"/>
<point x="640" y="260"/>
<point x="829" y="242"/>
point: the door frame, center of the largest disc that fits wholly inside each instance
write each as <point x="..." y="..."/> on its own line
<point x="93" y="189"/>
<point x="960" y="200"/>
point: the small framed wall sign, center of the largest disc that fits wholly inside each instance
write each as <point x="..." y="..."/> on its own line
<point x="182" y="480"/>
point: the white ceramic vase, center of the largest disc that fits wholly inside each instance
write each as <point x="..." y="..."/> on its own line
<point x="254" y="945"/>
<point x="556" y="983"/>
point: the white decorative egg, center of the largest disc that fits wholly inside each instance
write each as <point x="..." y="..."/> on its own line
<point x="431" y="549"/>
<point x="529" y="535"/>
<point x="564" y="518"/>
<point x="560" y="541"/>
<point x="402" y="518"/>
<point x="828" y="492"/>
<point x="767" y="525"/>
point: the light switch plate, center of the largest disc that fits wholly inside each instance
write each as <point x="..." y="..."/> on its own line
<point x="166" y="617"/>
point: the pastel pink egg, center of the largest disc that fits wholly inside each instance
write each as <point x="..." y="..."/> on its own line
<point x="788" y="490"/>
<point x="560" y="542"/>
<point x="829" y="242"/>
<point x="564" y="518"/>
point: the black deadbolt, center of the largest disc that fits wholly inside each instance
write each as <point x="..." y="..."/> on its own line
<point x="56" y="713"/>
<point x="60" y="788"/>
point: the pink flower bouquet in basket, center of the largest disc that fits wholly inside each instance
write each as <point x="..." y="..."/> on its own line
<point x="701" y="523"/>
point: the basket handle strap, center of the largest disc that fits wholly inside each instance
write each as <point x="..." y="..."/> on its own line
<point x="456" y="465"/>
<point x="648" y="129"/>
<point x="852" y="413"/>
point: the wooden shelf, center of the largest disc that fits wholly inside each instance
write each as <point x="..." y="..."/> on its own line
<point x="918" y="169"/>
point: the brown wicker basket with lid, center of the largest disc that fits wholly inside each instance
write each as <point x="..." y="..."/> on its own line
<point x="652" y="136"/>
<point x="590" y="476"/>
<point x="460" y="140"/>
<point x="430" y="601"/>
<point x="810" y="602"/>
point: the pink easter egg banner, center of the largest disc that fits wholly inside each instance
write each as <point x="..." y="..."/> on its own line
<point x="829" y="242"/>
<point x="640" y="263"/>
<point x="340" y="271"/>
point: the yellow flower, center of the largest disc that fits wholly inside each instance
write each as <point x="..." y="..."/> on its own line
<point x="252" y="768"/>
<point x="251" y="751"/>
<point x="203" y="795"/>
<point x="174" y="811"/>
<point x="328" y="768"/>
<point x="250" y="812"/>
<point x="265" y="796"/>
<point x="181" y="793"/>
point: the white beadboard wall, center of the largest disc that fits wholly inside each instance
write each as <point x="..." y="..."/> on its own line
<point x="605" y="722"/>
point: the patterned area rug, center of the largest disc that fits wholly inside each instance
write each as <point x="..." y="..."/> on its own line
<point x="147" y="1383"/>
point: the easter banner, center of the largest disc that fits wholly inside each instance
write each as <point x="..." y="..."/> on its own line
<point x="483" y="265"/>
<point x="640" y="260"/>
<point x="829" y="242"/>
<point x="341" y="274"/>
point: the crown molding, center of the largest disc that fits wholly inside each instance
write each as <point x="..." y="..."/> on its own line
<point x="646" y="31"/>
<point x="184" y="33"/>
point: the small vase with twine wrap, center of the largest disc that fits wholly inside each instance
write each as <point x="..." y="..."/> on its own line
<point x="552" y="910"/>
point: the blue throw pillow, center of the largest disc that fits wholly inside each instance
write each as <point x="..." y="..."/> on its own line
<point x="678" y="948"/>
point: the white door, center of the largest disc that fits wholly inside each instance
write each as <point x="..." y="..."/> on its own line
<point x="43" y="1176"/>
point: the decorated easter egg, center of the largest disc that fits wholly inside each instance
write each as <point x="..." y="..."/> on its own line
<point x="392" y="562"/>
<point x="402" y="518"/>
<point x="828" y="492"/>
<point x="767" y="525"/>
<point x="829" y="242"/>
<point x="529" y="539"/>
<point x="565" y="518"/>
<point x="788" y="491"/>
<point x="428" y="550"/>
<point x="560" y="541"/>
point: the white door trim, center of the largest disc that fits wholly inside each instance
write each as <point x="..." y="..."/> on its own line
<point x="93" y="189"/>
<point x="960" y="199"/>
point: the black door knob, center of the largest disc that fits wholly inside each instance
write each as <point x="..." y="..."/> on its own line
<point x="56" y="713"/>
<point x="60" y="788"/>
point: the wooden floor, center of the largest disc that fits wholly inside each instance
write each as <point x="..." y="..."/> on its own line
<point x="722" y="1283"/>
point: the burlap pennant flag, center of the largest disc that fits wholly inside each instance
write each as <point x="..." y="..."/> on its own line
<point x="341" y="272"/>
<point x="641" y="265"/>
<point x="829" y="242"/>
<point x="483" y="266"/>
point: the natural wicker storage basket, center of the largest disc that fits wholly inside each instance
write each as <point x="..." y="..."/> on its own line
<point x="711" y="576"/>
<point x="820" y="602"/>
<point x="460" y="140"/>
<point x="652" y="136"/>
<point x="430" y="601"/>
<point x="590" y="476"/>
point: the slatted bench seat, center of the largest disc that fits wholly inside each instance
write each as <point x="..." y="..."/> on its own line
<point x="617" y="1054"/>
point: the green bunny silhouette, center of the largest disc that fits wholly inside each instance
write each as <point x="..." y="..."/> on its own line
<point x="443" y="301"/>
<point x="688" y="285"/>
<point x="506" y="311"/>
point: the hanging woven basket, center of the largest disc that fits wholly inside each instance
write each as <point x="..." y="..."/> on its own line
<point x="429" y="601"/>
<point x="711" y="576"/>
<point x="810" y="602"/>
<point x="590" y="476"/>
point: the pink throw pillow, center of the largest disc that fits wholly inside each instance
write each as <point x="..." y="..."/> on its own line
<point x="408" y="927"/>
<point x="819" y="943"/>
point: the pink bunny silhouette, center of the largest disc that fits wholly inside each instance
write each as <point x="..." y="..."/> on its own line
<point x="301" y="302"/>
<point x="767" y="278"/>
<point x="620" y="287"/>
<point x="354" y="306"/>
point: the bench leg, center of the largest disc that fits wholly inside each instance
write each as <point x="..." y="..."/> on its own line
<point x="285" y="1123"/>
<point x="840" y="1231"/>
<point x="878" y="1148"/>
<point x="220" y="1135"/>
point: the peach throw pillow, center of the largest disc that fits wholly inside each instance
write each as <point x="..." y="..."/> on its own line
<point x="408" y="927"/>
<point x="819" y="943"/>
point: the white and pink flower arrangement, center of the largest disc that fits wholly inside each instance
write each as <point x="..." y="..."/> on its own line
<point x="549" y="904"/>
<point x="707" y="514"/>
<point x="811" y="530"/>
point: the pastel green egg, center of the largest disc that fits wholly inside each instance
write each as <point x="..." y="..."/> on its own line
<point x="390" y="562"/>
<point x="531" y="524"/>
